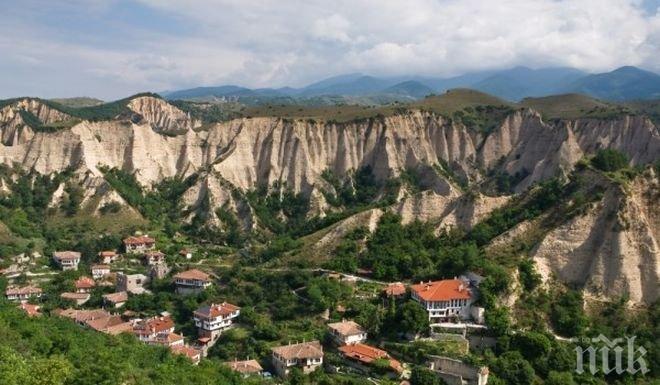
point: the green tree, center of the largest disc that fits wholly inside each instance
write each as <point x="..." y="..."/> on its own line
<point x="423" y="376"/>
<point x="514" y="369"/>
<point x="609" y="160"/>
<point x="498" y="321"/>
<point x="413" y="318"/>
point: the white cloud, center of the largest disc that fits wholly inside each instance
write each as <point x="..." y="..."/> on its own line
<point x="274" y="43"/>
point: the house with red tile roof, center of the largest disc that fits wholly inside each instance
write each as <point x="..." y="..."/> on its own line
<point x="82" y="316"/>
<point x="305" y="355"/>
<point x="366" y="355"/>
<point x="15" y="293"/>
<point x="191" y="281"/>
<point x="67" y="260"/>
<point x="168" y="339"/>
<point x="115" y="299"/>
<point x="211" y="320"/>
<point x="444" y="300"/>
<point x="193" y="354"/>
<point x="246" y="368"/>
<point x="84" y="285"/>
<point x="108" y="256"/>
<point x="395" y="290"/>
<point x="139" y="243"/>
<point x="147" y="329"/>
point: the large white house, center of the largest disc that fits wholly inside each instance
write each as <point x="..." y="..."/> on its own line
<point x="14" y="293"/>
<point x="444" y="300"/>
<point x="191" y="281"/>
<point x="212" y="319"/>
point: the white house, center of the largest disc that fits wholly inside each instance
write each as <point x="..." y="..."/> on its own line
<point x="444" y="300"/>
<point x="14" y="293"/>
<point x="347" y="332"/>
<point x="99" y="271"/>
<point x="212" y="319"/>
<point x="67" y="260"/>
<point x="306" y="355"/>
<point x="191" y="281"/>
<point x="139" y="244"/>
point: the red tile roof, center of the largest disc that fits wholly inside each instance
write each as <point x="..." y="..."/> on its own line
<point x="442" y="290"/>
<point x="31" y="310"/>
<point x="395" y="289"/>
<point x="367" y="354"/>
<point x="107" y="253"/>
<point x="193" y="274"/>
<point x="82" y="315"/>
<point x="189" y="352"/>
<point x="100" y="267"/>
<point x="139" y="240"/>
<point x="154" y="325"/>
<point x="85" y="283"/>
<point x="168" y="338"/>
<point x="346" y="328"/>
<point x="216" y="310"/>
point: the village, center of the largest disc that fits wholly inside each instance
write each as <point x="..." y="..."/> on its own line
<point x="450" y="307"/>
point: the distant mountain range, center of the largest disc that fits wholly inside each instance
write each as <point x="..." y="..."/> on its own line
<point x="625" y="83"/>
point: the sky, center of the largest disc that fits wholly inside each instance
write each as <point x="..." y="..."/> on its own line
<point x="110" y="49"/>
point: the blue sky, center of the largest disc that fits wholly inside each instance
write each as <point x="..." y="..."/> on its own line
<point x="113" y="48"/>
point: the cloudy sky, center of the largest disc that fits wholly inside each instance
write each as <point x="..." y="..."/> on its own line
<point x="113" y="48"/>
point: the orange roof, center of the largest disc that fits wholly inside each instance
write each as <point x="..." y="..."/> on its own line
<point x="85" y="283"/>
<point x="395" y="289"/>
<point x="246" y="367"/>
<point x="31" y="310"/>
<point x="154" y="325"/>
<point x="139" y="240"/>
<point x="82" y="315"/>
<point x="101" y="324"/>
<point x="367" y="354"/>
<point x="107" y="253"/>
<point x="216" y="310"/>
<point x="189" y="352"/>
<point x="155" y="253"/>
<point x="346" y="328"/>
<point x="168" y="338"/>
<point x="100" y="267"/>
<point x="193" y="274"/>
<point x="442" y="290"/>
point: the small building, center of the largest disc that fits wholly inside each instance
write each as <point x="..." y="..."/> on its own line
<point x="444" y="300"/>
<point x="246" y="368"/>
<point x="115" y="299"/>
<point x="30" y="309"/>
<point x="193" y="354"/>
<point x="108" y="256"/>
<point x="456" y="372"/>
<point x="211" y="320"/>
<point x="15" y="293"/>
<point x="159" y="271"/>
<point x="153" y="257"/>
<point x="191" y="281"/>
<point x="168" y="339"/>
<point x="146" y="330"/>
<point x="67" y="260"/>
<point x="99" y="271"/>
<point x="82" y="316"/>
<point x="305" y="355"/>
<point x="185" y="253"/>
<point x="77" y="298"/>
<point x="395" y="290"/>
<point x="366" y="355"/>
<point x="84" y="285"/>
<point x="132" y="283"/>
<point x="347" y="333"/>
<point x="112" y="324"/>
<point x="138" y="244"/>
